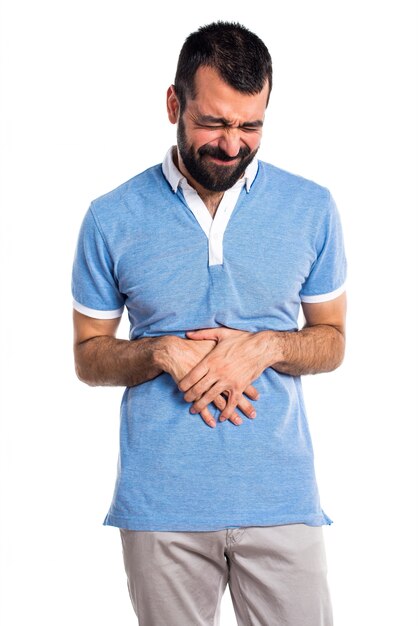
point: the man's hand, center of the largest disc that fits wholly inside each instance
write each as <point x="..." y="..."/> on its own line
<point x="238" y="359"/>
<point x="183" y="355"/>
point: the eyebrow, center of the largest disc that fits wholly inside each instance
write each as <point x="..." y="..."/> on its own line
<point x="209" y="119"/>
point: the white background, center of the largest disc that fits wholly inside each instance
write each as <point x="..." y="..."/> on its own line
<point x="83" y="109"/>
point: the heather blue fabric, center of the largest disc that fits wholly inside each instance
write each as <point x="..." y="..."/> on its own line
<point x="141" y="247"/>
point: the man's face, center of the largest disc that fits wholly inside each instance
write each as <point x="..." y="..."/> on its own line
<point x="219" y="132"/>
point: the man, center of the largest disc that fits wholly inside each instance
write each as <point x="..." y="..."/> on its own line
<point x="212" y="253"/>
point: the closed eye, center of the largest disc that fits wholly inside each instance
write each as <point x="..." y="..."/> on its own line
<point x="246" y="129"/>
<point x="213" y="123"/>
<point x="211" y="126"/>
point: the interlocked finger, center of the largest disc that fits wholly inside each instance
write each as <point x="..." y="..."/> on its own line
<point x="233" y="398"/>
<point x="220" y="403"/>
<point x="245" y="406"/>
<point x="207" y="417"/>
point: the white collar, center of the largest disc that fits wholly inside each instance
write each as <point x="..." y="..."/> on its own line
<point x="176" y="178"/>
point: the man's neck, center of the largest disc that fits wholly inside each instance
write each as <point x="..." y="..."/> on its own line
<point x="211" y="199"/>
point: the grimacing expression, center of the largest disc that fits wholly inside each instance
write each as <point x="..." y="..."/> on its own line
<point x="218" y="131"/>
<point x="207" y="173"/>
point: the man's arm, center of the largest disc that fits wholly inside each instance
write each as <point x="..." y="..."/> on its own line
<point x="319" y="346"/>
<point x="102" y="359"/>
<point x="240" y="357"/>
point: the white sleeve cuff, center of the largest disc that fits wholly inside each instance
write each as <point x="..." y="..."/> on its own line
<point x="100" y="315"/>
<point x="324" y="297"/>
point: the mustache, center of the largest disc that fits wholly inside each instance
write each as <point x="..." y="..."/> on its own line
<point x="217" y="153"/>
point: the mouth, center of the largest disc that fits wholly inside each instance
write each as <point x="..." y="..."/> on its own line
<point x="222" y="162"/>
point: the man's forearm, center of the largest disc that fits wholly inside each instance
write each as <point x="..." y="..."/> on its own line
<point x="312" y="350"/>
<point x="106" y="360"/>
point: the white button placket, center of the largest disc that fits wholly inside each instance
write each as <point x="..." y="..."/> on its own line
<point x="219" y="224"/>
<point x="197" y="207"/>
<point x="213" y="228"/>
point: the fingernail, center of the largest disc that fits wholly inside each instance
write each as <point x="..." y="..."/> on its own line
<point x="212" y="423"/>
<point x="253" y="414"/>
<point x="222" y="419"/>
<point x="193" y="411"/>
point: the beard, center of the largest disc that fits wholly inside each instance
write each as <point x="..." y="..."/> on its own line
<point x="209" y="175"/>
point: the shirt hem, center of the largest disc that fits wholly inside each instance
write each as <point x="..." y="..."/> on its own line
<point x="205" y="526"/>
<point x="324" y="297"/>
<point x="101" y="315"/>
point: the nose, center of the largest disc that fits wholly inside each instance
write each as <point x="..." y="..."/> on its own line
<point x="230" y="142"/>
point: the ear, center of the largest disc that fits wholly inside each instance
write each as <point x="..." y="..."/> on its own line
<point x="173" y="105"/>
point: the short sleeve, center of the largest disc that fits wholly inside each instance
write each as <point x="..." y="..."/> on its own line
<point x="94" y="286"/>
<point x="327" y="277"/>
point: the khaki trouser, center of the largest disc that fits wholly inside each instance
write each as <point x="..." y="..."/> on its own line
<point x="276" y="576"/>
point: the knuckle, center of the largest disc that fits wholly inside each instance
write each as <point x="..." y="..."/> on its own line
<point x="233" y="397"/>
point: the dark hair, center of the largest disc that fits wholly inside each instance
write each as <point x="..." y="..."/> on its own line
<point x="238" y="55"/>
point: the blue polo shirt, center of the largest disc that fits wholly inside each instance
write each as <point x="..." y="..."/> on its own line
<point x="151" y="246"/>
